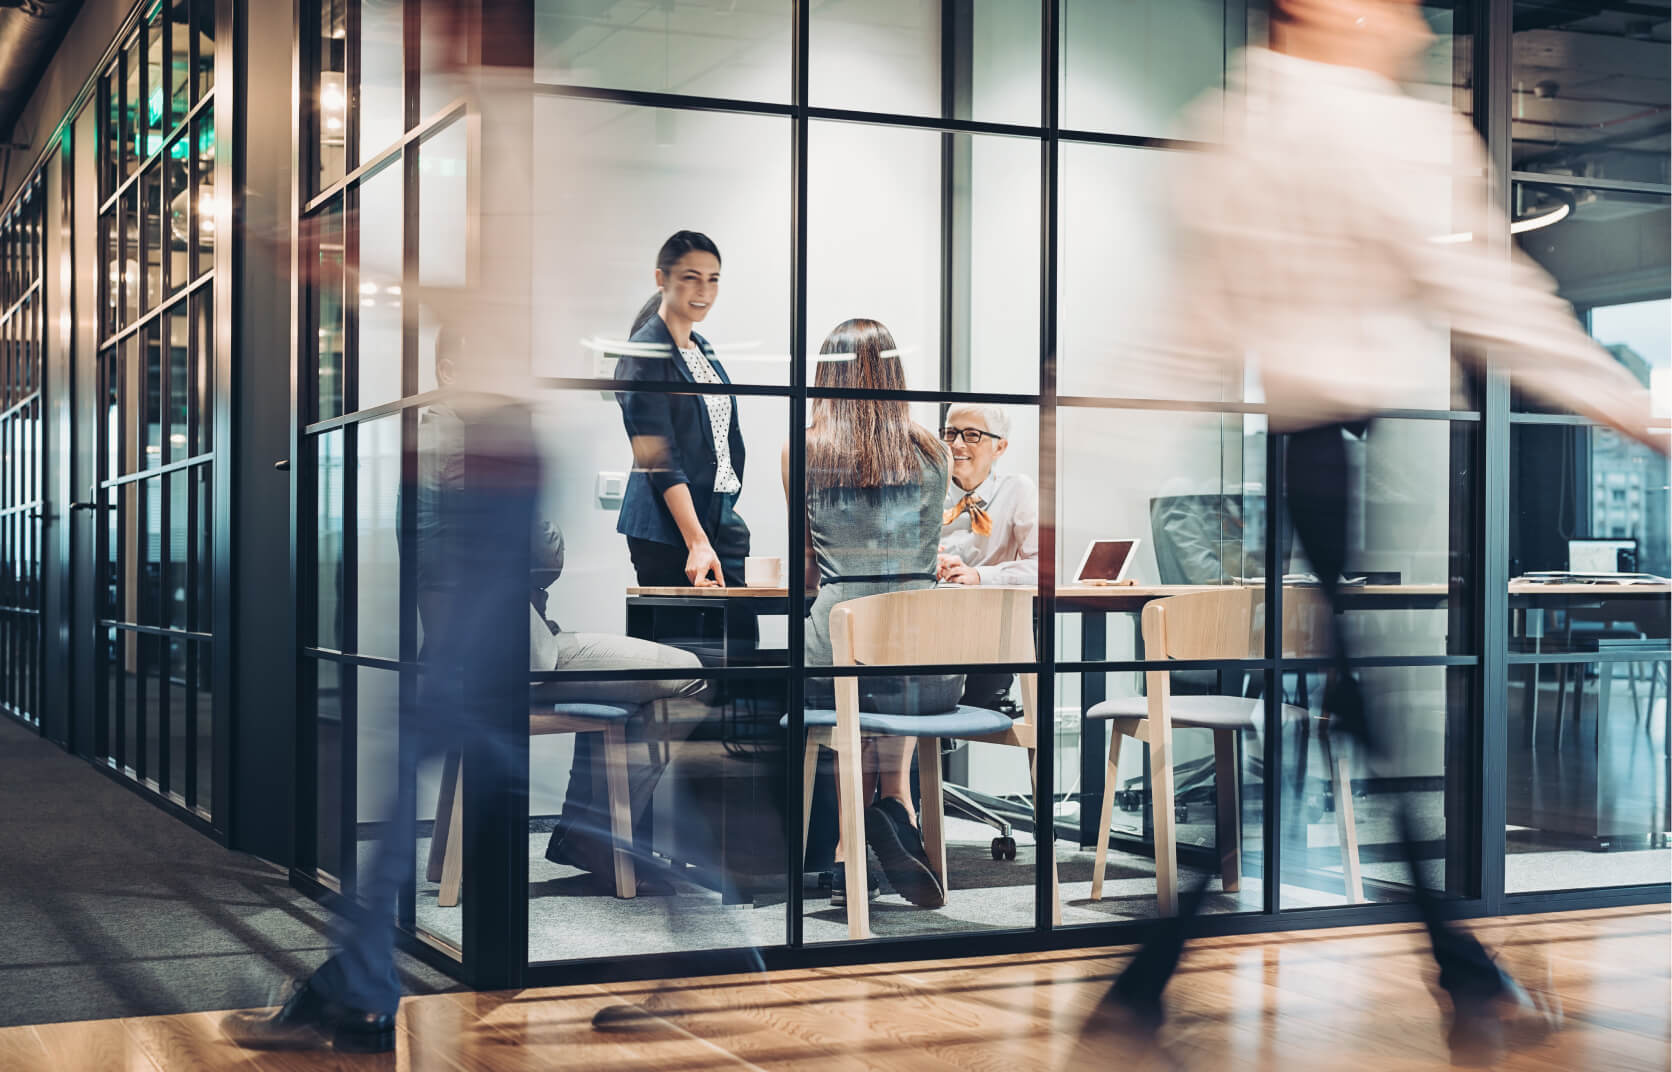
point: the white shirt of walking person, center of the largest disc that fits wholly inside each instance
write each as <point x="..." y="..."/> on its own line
<point x="990" y="529"/>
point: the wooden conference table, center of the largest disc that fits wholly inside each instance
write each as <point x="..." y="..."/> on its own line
<point x="1094" y="603"/>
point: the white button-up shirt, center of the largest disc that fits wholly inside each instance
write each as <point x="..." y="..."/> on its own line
<point x="1009" y="554"/>
<point x="1334" y="237"/>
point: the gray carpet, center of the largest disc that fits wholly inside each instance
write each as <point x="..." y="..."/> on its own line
<point x="109" y="907"/>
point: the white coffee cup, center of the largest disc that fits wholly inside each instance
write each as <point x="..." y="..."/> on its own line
<point x="763" y="571"/>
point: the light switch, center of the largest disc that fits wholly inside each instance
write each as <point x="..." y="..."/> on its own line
<point x="611" y="488"/>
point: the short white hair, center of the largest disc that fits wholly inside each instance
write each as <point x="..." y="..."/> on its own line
<point x="994" y="417"/>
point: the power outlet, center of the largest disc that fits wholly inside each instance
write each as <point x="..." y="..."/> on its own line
<point x="612" y="488"/>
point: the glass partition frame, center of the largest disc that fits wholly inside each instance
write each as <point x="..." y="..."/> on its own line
<point x="1478" y="657"/>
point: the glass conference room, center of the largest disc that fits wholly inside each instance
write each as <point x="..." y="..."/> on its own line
<point x="989" y="180"/>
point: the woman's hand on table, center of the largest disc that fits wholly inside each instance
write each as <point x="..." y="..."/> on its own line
<point x="702" y="567"/>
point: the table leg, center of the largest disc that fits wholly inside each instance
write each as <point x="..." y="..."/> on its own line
<point x="1094" y="744"/>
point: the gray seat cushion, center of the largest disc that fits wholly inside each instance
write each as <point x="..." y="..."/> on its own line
<point x="595" y="712"/>
<point x="962" y="721"/>
<point x="1199" y="712"/>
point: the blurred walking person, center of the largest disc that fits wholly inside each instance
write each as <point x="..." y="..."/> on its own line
<point x="1308" y="244"/>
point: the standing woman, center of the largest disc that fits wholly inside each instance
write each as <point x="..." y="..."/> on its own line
<point x="679" y="513"/>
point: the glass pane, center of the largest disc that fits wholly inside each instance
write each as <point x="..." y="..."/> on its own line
<point x="177" y="567"/>
<point x="1586" y="499"/>
<point x="1590" y="241"/>
<point x="202" y="401"/>
<point x="443" y="40"/>
<point x="179" y="60"/>
<point x="133" y="107"/>
<point x="1410" y="536"/>
<point x="741" y="50"/>
<point x="376" y="759"/>
<point x="329" y="626"/>
<point x="1130" y="68"/>
<point x="150" y="559"/>
<point x="156" y="85"/>
<point x="381" y="102"/>
<point x="326" y="233"/>
<point x="115" y="136"/>
<point x="151" y="185"/>
<point x="596" y="247"/>
<point x="994" y="286"/>
<point x="207" y="210"/>
<point x="379" y="335"/>
<point x="1100" y="769"/>
<point x="709" y="762"/>
<point x="110" y="230"/>
<point x="443" y="246"/>
<point x="1349" y="800"/>
<point x="1196" y="509"/>
<point x="205" y="562"/>
<point x="1588" y="795"/>
<point x="152" y="417"/>
<point x="328" y="802"/>
<point x="377" y="575"/>
<point x="878" y="57"/>
<point x="131" y="262"/>
<point x="200" y="672"/>
<point x="177" y="239"/>
<point x="1589" y="92"/>
<point x="332" y="93"/>
<point x="203" y="19"/>
<point x="856" y="211"/>
<point x="179" y="410"/>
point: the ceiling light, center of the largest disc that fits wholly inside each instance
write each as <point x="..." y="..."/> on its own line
<point x="1543" y="219"/>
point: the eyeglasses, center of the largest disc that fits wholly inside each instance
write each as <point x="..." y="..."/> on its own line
<point x="970" y="436"/>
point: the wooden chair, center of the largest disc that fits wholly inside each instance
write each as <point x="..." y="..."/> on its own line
<point x="930" y="626"/>
<point x="446" y="862"/>
<point x="1208" y="625"/>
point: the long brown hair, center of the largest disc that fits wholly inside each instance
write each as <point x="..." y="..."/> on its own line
<point x="864" y="442"/>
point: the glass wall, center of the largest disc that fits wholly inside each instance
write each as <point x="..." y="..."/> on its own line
<point x="948" y="221"/>
<point x="22" y="334"/>
<point x="158" y="218"/>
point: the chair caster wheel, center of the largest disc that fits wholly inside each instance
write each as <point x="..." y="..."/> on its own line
<point x="1004" y="848"/>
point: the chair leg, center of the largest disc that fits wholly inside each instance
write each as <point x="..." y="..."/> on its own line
<point x="1346" y="827"/>
<point x="452" y="864"/>
<point x="1106" y="817"/>
<point x="443" y="810"/>
<point x="932" y="818"/>
<point x="850" y="777"/>
<point x="621" y="808"/>
<point x="1161" y="817"/>
<point x="809" y="771"/>
<point x="1227" y="809"/>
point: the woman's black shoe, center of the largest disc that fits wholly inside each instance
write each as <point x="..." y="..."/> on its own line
<point x="839" y="885"/>
<point x="899" y="847"/>
<point x="306" y="1021"/>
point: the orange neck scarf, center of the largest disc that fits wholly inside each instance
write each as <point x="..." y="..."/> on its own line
<point x="980" y="522"/>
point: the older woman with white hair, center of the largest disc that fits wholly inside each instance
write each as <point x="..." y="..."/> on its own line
<point x="990" y="530"/>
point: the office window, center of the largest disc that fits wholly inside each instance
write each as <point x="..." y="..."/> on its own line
<point x="22" y="296"/>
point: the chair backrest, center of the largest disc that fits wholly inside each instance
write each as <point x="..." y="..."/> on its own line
<point x="934" y="625"/>
<point x="1307" y="623"/>
<point x="1201" y="625"/>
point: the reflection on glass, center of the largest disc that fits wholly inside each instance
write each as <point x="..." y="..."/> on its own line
<point x="1590" y="242"/>
<point x="1586" y="499"/>
<point x="1588" y="92"/>
<point x="1342" y="814"/>
<point x="156" y="85"/>
<point x="203" y="393"/>
<point x="115" y="136"/>
<point x="203" y="74"/>
<point x="329" y="537"/>
<point x="205" y="561"/>
<point x="854" y="212"/>
<point x="380" y="102"/>
<point x="443" y="249"/>
<point x="177" y="227"/>
<point x="151" y="185"/>
<point x="1131" y="68"/>
<point x="378" y="341"/>
<point x="740" y="50"/>
<point x="328" y="309"/>
<point x="706" y="761"/>
<point x="377" y="564"/>
<point x="1588" y="792"/>
<point x="133" y="107"/>
<point x="131" y="266"/>
<point x="332" y="93"/>
<point x="179" y="60"/>
<point x="152" y="419"/>
<point x="595" y="248"/>
<point x="376" y="759"/>
<point x="179" y="410"/>
<point x="328" y="707"/>
<point x="203" y="207"/>
<point x="177" y="565"/>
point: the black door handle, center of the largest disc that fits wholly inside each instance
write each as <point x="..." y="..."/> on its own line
<point x="282" y="465"/>
<point x="83" y="506"/>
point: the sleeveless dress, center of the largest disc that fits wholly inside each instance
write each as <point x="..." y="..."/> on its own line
<point x="867" y="541"/>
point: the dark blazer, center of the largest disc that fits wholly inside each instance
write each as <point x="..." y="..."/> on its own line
<point x="673" y="442"/>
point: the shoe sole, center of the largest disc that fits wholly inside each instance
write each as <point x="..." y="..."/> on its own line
<point x="363" y="1041"/>
<point x="909" y="876"/>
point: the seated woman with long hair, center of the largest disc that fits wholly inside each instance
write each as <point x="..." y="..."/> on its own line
<point x="876" y="487"/>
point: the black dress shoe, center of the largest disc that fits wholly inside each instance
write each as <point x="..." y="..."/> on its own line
<point x="307" y="1021"/>
<point x="899" y="848"/>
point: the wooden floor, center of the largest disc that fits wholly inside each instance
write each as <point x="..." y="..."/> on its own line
<point x="1340" y="999"/>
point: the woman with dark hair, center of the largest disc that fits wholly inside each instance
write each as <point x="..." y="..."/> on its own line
<point x="679" y="511"/>
<point x="876" y="484"/>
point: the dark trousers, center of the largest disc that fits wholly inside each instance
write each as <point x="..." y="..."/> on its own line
<point x="1318" y="492"/>
<point x="663" y="565"/>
